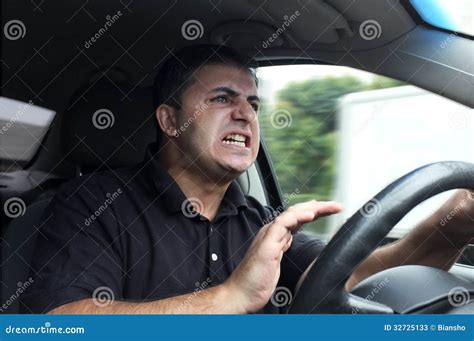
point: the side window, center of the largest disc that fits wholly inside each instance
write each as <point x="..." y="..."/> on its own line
<point x="22" y="128"/>
<point x="336" y="133"/>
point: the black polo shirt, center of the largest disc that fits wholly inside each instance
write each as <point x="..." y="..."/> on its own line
<point x="129" y="234"/>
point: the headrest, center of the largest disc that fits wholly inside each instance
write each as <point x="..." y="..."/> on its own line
<point x="108" y="125"/>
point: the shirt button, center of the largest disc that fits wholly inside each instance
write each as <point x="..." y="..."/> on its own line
<point x="214" y="257"/>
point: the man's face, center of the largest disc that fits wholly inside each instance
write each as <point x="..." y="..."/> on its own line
<point x="223" y="133"/>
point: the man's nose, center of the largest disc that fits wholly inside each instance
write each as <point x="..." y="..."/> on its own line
<point x="244" y="112"/>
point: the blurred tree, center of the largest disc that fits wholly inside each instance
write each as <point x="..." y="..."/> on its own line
<point x="382" y="83"/>
<point x="301" y="134"/>
<point x="317" y="98"/>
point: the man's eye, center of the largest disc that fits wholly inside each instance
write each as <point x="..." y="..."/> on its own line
<point x="255" y="107"/>
<point x="219" y="99"/>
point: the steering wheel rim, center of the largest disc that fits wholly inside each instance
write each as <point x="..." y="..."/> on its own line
<point x="322" y="290"/>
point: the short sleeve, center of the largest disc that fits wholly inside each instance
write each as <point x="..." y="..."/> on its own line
<point x="77" y="253"/>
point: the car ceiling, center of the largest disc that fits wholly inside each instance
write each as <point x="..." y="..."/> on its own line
<point x="51" y="61"/>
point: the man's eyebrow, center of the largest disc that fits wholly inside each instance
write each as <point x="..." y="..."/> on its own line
<point x="233" y="93"/>
<point x="253" y="98"/>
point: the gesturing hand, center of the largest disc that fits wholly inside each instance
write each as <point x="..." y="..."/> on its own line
<point x="254" y="280"/>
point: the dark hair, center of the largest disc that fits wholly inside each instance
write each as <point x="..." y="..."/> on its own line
<point x="176" y="73"/>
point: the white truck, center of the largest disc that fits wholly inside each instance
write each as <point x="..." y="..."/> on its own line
<point x="387" y="133"/>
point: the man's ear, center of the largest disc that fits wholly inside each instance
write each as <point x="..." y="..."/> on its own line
<point x="166" y="116"/>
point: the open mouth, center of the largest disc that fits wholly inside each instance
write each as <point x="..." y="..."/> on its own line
<point x="237" y="140"/>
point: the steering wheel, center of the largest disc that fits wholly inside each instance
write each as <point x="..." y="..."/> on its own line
<point x="322" y="288"/>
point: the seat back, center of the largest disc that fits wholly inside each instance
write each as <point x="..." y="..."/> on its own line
<point x="107" y="126"/>
<point x="17" y="253"/>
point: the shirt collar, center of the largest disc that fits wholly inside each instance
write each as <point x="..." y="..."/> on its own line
<point x="172" y="195"/>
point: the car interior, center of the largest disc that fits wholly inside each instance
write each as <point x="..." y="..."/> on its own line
<point x="52" y="67"/>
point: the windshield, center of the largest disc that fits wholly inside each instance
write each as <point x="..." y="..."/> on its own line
<point x="456" y="16"/>
<point x="336" y="133"/>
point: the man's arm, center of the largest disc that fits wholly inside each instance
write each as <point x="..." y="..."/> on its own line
<point x="215" y="300"/>
<point x="437" y="242"/>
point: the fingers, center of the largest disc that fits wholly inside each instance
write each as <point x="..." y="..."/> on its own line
<point x="320" y="208"/>
<point x="299" y="214"/>
<point x="287" y="222"/>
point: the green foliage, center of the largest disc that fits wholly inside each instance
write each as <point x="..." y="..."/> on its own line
<point x="317" y="98"/>
<point x="304" y="152"/>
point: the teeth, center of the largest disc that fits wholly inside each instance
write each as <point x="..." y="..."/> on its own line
<point x="237" y="143"/>
<point x="236" y="137"/>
